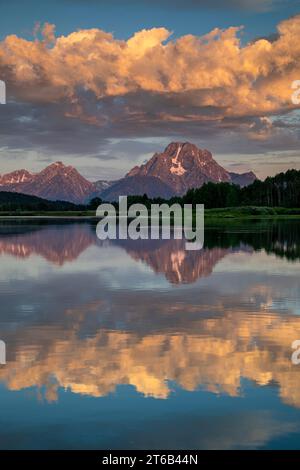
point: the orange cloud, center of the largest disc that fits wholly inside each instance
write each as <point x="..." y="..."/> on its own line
<point x="238" y="80"/>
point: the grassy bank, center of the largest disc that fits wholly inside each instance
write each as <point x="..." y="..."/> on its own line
<point x="247" y="212"/>
<point x="252" y="212"/>
<point x="48" y="214"/>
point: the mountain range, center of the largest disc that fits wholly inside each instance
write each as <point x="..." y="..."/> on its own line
<point x="180" y="167"/>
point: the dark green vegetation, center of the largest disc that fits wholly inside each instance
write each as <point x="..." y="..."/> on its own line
<point x="10" y="201"/>
<point x="252" y="212"/>
<point x="22" y="204"/>
<point x="282" y="190"/>
<point x="279" y="237"/>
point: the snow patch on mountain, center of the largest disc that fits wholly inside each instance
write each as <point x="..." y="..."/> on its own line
<point x="177" y="167"/>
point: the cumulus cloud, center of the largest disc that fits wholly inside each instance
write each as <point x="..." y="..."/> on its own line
<point x="69" y="94"/>
<point x="196" y="73"/>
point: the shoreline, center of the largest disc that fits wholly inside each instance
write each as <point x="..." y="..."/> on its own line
<point x="213" y="216"/>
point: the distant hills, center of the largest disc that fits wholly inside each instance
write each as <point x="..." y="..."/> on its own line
<point x="180" y="167"/>
<point x="242" y="180"/>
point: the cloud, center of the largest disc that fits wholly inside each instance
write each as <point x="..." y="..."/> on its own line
<point x="210" y="72"/>
<point x="69" y="94"/>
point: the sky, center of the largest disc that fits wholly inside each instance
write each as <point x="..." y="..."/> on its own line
<point x="104" y="84"/>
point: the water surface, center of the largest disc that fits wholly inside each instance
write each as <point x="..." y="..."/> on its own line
<point x="142" y="344"/>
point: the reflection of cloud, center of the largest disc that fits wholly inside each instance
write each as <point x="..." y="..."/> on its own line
<point x="214" y="353"/>
<point x="94" y="324"/>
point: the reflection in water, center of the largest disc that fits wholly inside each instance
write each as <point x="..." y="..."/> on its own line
<point x="57" y="244"/>
<point x="65" y="242"/>
<point x="104" y="321"/>
<point x="215" y="354"/>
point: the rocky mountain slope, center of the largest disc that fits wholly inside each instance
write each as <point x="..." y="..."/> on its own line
<point x="138" y="186"/>
<point x="182" y="166"/>
<point x="179" y="167"/>
<point x="56" y="182"/>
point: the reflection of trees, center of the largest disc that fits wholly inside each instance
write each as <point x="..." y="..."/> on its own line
<point x="279" y="237"/>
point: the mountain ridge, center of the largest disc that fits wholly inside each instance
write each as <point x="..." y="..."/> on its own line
<point x="181" y="166"/>
<point x="56" y="182"/>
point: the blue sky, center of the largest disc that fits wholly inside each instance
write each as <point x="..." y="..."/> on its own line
<point x="104" y="133"/>
<point x="125" y="17"/>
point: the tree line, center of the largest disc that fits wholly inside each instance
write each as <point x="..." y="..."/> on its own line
<point x="282" y="190"/>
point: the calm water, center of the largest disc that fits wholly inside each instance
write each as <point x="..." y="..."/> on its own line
<point x="145" y="345"/>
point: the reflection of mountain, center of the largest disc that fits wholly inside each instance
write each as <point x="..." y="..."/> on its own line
<point x="63" y="242"/>
<point x="57" y="244"/>
<point x="171" y="258"/>
<point x="214" y="353"/>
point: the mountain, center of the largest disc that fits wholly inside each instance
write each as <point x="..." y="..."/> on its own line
<point x="243" y="179"/>
<point x="179" y="167"/>
<point x="15" y="177"/>
<point x="138" y="186"/>
<point x="102" y="185"/>
<point x="56" y="182"/>
<point x="182" y="166"/>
